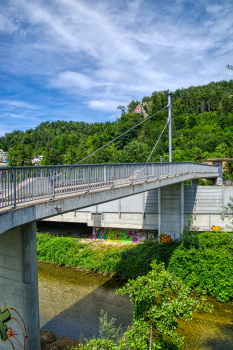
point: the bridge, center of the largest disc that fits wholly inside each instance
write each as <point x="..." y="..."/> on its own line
<point x="28" y="194"/>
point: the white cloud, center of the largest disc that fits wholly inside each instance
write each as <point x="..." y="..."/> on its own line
<point x="106" y="106"/>
<point x="115" y="75"/>
<point x="7" y="25"/>
<point x="71" y="80"/>
<point x="103" y="52"/>
<point x="18" y="104"/>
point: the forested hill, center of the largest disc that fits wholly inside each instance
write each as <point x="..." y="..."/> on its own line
<point x="202" y="128"/>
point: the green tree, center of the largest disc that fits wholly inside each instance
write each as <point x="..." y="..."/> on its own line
<point x="202" y="128"/>
<point x="71" y="156"/>
<point x="122" y="108"/>
<point x="20" y="155"/>
<point x="134" y="152"/>
<point x="160" y="300"/>
<point x="228" y="211"/>
<point x="132" y="105"/>
<point x="51" y="157"/>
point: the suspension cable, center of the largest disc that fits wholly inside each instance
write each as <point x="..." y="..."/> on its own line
<point x="143" y="121"/>
<point x="157" y="142"/>
<point x="116" y="138"/>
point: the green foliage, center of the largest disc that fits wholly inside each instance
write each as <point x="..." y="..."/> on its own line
<point x="228" y="210"/>
<point x="107" y="328"/>
<point x="69" y="251"/>
<point x="20" y="155"/>
<point x="51" y="157"/>
<point x="100" y="344"/>
<point x="191" y="239"/>
<point x="135" y="261"/>
<point x="132" y="105"/>
<point x="205" y="263"/>
<point x="202" y="117"/>
<point x="205" y="182"/>
<point x="107" y="259"/>
<point x="134" y="152"/>
<point x="160" y="300"/>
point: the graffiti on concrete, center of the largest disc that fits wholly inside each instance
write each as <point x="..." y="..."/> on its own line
<point x="5" y="316"/>
<point x="123" y="236"/>
<point x="216" y="228"/>
<point x="165" y="238"/>
<point x="15" y="337"/>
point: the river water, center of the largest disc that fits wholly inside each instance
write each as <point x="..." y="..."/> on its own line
<point x="71" y="302"/>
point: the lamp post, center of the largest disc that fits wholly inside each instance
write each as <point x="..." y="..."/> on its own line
<point x="170" y="125"/>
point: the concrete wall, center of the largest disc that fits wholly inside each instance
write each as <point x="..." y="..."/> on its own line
<point x="19" y="314"/>
<point x="141" y="211"/>
<point x="123" y="235"/>
<point x="171" y="210"/>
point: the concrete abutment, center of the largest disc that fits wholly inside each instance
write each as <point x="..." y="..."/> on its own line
<point x="171" y="210"/>
<point x="19" y="323"/>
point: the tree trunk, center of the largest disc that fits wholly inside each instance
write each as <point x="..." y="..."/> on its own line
<point x="151" y="336"/>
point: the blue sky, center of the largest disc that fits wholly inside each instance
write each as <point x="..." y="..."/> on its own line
<point x="78" y="60"/>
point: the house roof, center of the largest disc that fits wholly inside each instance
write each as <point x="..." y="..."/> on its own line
<point x="217" y="160"/>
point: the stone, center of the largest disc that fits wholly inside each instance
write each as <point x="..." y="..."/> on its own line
<point x="47" y="337"/>
<point x="66" y="343"/>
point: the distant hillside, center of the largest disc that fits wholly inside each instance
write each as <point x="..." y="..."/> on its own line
<point x="202" y="128"/>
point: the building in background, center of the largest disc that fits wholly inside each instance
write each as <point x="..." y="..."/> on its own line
<point x="3" y="156"/>
<point x="222" y="162"/>
<point x="36" y="160"/>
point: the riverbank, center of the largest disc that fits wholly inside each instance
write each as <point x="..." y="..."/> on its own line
<point x="204" y="261"/>
<point x="122" y="260"/>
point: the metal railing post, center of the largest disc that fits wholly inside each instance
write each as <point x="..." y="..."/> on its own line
<point x="53" y="182"/>
<point x="112" y="175"/>
<point x="105" y="177"/>
<point x="14" y="186"/>
<point x="88" y="175"/>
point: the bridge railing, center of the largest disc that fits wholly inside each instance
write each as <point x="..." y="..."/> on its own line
<point x="24" y="184"/>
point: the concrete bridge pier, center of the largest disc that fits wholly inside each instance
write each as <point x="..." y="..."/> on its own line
<point x="171" y="210"/>
<point x="19" y="303"/>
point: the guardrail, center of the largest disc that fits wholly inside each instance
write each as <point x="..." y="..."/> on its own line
<point x="24" y="184"/>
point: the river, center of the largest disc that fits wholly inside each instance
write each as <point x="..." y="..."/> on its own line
<point x="71" y="302"/>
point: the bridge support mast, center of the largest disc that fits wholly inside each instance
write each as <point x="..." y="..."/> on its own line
<point x="170" y="124"/>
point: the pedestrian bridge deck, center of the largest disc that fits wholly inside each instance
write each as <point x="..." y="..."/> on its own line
<point x="61" y="190"/>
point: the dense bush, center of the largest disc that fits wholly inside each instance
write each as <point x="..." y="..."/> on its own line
<point x="205" y="263"/>
<point x="127" y="261"/>
<point x="71" y="252"/>
<point x="135" y="261"/>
